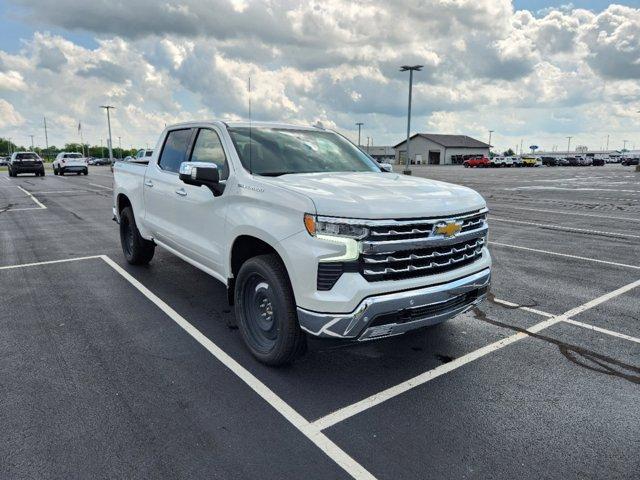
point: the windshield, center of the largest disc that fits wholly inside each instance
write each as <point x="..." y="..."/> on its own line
<point x="26" y="156"/>
<point x="280" y="151"/>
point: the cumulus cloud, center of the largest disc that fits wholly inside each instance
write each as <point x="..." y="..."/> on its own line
<point x="9" y="117"/>
<point x="486" y="65"/>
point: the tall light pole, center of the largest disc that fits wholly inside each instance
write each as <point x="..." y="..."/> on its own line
<point x="569" y="145"/>
<point x="359" y="124"/>
<point x="33" y="147"/>
<point x="624" y="142"/>
<point x="46" y="138"/>
<point x="410" y="69"/>
<point x="607" y="142"/>
<point x="107" y="108"/>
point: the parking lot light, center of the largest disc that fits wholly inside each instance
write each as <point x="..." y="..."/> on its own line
<point x="410" y="69"/>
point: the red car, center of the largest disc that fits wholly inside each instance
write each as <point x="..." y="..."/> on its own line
<point x="476" y="161"/>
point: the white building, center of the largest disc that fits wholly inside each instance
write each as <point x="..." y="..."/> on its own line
<point x="380" y="153"/>
<point x="436" y="149"/>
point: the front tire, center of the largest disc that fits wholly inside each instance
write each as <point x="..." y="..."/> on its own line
<point x="137" y="250"/>
<point x="266" y="311"/>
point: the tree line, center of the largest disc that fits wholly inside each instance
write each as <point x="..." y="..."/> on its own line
<point x="6" y="147"/>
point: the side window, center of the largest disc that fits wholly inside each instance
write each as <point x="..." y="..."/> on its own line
<point x="208" y="148"/>
<point x="174" y="150"/>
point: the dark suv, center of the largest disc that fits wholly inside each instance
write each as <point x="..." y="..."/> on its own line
<point x="26" y="162"/>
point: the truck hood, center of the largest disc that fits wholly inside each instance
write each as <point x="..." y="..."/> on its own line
<point x="380" y="195"/>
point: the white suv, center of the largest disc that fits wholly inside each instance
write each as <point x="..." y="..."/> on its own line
<point x="70" y="162"/>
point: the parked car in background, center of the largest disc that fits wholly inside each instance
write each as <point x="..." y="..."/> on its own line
<point x="549" y="161"/>
<point x="70" y="162"/>
<point x="501" y="162"/>
<point x="102" y="161"/>
<point x="4" y="161"/>
<point x="308" y="234"/>
<point x="598" y="162"/>
<point x="25" y="162"/>
<point x="529" y="161"/>
<point x="478" y="161"/>
<point x="626" y="161"/>
<point x="562" y="162"/>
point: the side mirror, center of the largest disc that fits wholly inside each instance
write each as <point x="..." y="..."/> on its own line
<point x="202" y="174"/>
<point x="386" y="167"/>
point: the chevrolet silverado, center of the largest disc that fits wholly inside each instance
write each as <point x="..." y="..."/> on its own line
<point x="309" y="235"/>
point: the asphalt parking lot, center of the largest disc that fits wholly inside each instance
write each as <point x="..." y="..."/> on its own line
<point x="113" y="371"/>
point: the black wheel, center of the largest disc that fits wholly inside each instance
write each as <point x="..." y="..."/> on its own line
<point x="86" y="172"/>
<point x="266" y="311"/>
<point x="55" y="170"/>
<point x="136" y="249"/>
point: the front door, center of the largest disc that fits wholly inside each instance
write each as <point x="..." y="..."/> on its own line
<point x="200" y="215"/>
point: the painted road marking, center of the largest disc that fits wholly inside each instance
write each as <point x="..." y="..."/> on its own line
<point x="602" y="330"/>
<point x="32" y="198"/>
<point x="303" y="425"/>
<point x="521" y="307"/>
<point x="577" y="257"/>
<point x="101" y="186"/>
<point x="570" y="213"/>
<point x="48" y="262"/>
<point x="378" y="398"/>
<point x="565" y="228"/>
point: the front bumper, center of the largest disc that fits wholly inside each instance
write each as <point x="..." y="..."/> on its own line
<point x="396" y="313"/>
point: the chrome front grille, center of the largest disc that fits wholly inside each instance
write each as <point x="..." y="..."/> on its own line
<point x="409" y="248"/>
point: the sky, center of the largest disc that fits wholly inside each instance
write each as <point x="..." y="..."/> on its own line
<point x="533" y="71"/>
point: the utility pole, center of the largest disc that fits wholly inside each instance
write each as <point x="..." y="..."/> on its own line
<point x="623" y="148"/>
<point x="490" y="132"/>
<point x="46" y="138"/>
<point x="569" y="145"/>
<point x="410" y="69"/>
<point x="521" y="140"/>
<point x="33" y="147"/>
<point x="359" y="124"/>
<point x="607" y="142"/>
<point x="107" y="108"/>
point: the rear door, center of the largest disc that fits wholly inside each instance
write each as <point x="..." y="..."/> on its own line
<point x="160" y="185"/>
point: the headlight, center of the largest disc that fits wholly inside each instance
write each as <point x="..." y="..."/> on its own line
<point x="341" y="231"/>
<point x="335" y="227"/>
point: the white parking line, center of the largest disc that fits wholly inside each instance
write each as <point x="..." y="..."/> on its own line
<point x="602" y="330"/>
<point x="48" y="262"/>
<point x="101" y="186"/>
<point x="577" y="257"/>
<point x="607" y="217"/>
<point x="565" y="228"/>
<point x="304" y="426"/>
<point x="378" y="398"/>
<point x="32" y="198"/>
<point x="520" y="307"/>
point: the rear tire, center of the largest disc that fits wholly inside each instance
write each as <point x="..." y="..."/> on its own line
<point x="137" y="250"/>
<point x="266" y="311"/>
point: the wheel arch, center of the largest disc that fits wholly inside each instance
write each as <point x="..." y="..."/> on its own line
<point x="244" y="247"/>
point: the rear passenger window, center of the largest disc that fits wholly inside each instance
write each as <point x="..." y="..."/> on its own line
<point x="174" y="150"/>
<point x="208" y="148"/>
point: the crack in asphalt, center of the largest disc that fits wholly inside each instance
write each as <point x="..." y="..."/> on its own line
<point x="580" y="356"/>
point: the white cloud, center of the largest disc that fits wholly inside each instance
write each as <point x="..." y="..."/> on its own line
<point x="486" y="66"/>
<point x="9" y="117"/>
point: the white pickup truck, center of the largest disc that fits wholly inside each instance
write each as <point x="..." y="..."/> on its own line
<point x="308" y="233"/>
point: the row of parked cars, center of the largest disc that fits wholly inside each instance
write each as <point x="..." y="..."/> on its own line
<point x="30" y="162"/>
<point x="480" y="161"/>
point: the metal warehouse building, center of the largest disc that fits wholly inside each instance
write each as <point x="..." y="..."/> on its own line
<point x="436" y="149"/>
